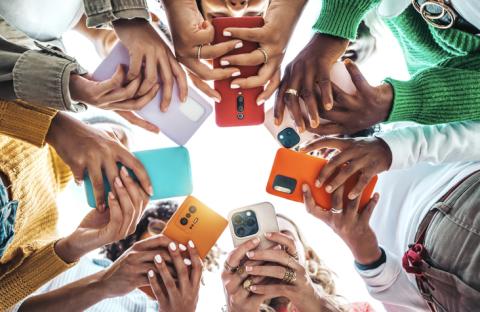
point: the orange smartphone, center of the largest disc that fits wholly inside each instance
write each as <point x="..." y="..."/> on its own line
<point x="292" y="169"/>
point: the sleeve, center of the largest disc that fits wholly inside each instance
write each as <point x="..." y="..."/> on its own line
<point x="37" y="269"/>
<point x="443" y="93"/>
<point x="100" y="13"/>
<point x="40" y="77"/>
<point x="389" y="284"/>
<point x="25" y="122"/>
<point x="436" y="144"/>
<point x="341" y="18"/>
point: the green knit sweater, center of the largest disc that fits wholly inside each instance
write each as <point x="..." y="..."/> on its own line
<point x="444" y="64"/>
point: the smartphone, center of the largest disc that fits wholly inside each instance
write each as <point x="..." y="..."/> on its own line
<point x="287" y="134"/>
<point x="169" y="171"/>
<point x="238" y="106"/>
<point x="292" y="169"/>
<point x="180" y="122"/>
<point x="195" y="221"/>
<point x="253" y="221"/>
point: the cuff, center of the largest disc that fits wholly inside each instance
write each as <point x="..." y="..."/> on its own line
<point x="43" y="77"/>
<point x="36" y="270"/>
<point x="400" y="149"/>
<point x="102" y="14"/>
<point x="406" y="101"/>
<point x="341" y="18"/>
<point x="383" y="276"/>
<point x="25" y="122"/>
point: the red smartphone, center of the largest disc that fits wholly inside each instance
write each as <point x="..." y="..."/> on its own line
<point x="238" y="106"/>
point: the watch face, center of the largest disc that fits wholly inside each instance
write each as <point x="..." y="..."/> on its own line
<point x="288" y="137"/>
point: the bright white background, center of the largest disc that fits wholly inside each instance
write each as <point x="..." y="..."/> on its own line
<point x="231" y="166"/>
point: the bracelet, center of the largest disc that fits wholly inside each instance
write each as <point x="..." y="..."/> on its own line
<point x="373" y="265"/>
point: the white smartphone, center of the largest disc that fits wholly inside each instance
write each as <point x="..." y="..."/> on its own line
<point x="253" y="221"/>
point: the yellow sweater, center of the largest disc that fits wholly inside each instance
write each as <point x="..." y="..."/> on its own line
<point x="37" y="175"/>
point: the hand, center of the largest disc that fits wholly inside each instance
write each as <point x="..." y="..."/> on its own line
<point x="238" y="298"/>
<point x="190" y="31"/>
<point x="352" y="225"/>
<point x="130" y="270"/>
<point x="100" y="228"/>
<point x="280" y="20"/>
<point x="308" y="71"/>
<point x="353" y="113"/>
<point x="365" y="156"/>
<point x="83" y="147"/>
<point x="301" y="291"/>
<point x="181" y="296"/>
<point x="149" y="52"/>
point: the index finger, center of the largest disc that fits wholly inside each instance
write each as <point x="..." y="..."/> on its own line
<point x="130" y="161"/>
<point x="235" y="258"/>
<point x="250" y="34"/>
<point x="153" y="242"/>
<point x="264" y="75"/>
<point x="337" y="143"/>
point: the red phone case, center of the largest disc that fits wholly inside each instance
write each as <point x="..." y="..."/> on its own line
<point x="229" y="112"/>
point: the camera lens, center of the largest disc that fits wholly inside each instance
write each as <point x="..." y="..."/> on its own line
<point x="188" y="215"/>
<point x="192" y="209"/>
<point x="251" y="222"/>
<point x="183" y="221"/>
<point x="237" y="219"/>
<point x="240" y="116"/>
<point x="240" y="231"/>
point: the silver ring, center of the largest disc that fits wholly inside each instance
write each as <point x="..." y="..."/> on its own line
<point x="265" y="55"/>
<point x="199" y="51"/>
<point x="336" y="211"/>
<point x="292" y="92"/>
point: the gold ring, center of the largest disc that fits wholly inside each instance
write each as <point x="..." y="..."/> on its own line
<point x="289" y="276"/>
<point x="240" y="270"/>
<point x="247" y="283"/>
<point x="229" y="268"/>
<point x="336" y="211"/>
<point x="265" y="55"/>
<point x="199" y="51"/>
<point x="292" y="92"/>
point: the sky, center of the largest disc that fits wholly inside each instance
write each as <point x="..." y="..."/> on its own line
<point x="231" y="166"/>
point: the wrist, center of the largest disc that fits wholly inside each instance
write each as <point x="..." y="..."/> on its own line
<point x="67" y="250"/>
<point x="365" y="249"/>
<point x="55" y="129"/>
<point x="386" y="100"/>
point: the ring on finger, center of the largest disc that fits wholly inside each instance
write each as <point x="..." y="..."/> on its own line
<point x="240" y="269"/>
<point x="247" y="283"/>
<point x="289" y="276"/>
<point x="265" y="55"/>
<point x="292" y="92"/>
<point x="199" y="51"/>
<point x="335" y="210"/>
<point x="229" y="268"/>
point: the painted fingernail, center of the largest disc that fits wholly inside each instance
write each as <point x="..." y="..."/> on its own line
<point x="227" y="33"/>
<point x="238" y="45"/>
<point x="224" y="63"/>
<point x="314" y="123"/>
<point x="234" y="86"/>
<point x="111" y="196"/>
<point x="150" y="190"/>
<point x="150" y="273"/>
<point x="182" y="247"/>
<point x="235" y="74"/>
<point x="248" y="268"/>
<point x="328" y="106"/>
<point x="268" y="234"/>
<point x="304" y="188"/>
<point x="191" y="244"/>
<point x="253" y="288"/>
<point x="256" y="240"/>
<point x="250" y="254"/>
<point x="277" y="121"/>
<point x="260" y="102"/>
<point x="172" y="246"/>
<point x="328" y="188"/>
<point x="118" y="182"/>
<point x="318" y="184"/>
<point x="352" y="196"/>
<point x="347" y="61"/>
<point x="187" y="261"/>
<point x="124" y="171"/>
<point x="158" y="259"/>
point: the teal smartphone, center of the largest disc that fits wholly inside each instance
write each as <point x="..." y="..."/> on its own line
<point x="169" y="171"/>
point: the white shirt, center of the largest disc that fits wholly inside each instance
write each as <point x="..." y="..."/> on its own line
<point x="407" y="194"/>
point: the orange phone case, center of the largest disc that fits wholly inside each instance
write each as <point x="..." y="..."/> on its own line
<point x="292" y="169"/>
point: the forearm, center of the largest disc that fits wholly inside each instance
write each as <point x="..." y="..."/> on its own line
<point x="77" y="296"/>
<point x="101" y="13"/>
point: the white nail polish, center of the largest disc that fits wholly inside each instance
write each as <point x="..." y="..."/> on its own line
<point x="239" y="45"/>
<point x="182" y="247"/>
<point x="187" y="261"/>
<point x="236" y="74"/>
<point x="260" y="102"/>
<point x="191" y="244"/>
<point x="150" y="273"/>
<point x="224" y="63"/>
<point x="227" y="33"/>
<point x="234" y="86"/>
<point x="158" y="259"/>
<point x="172" y="246"/>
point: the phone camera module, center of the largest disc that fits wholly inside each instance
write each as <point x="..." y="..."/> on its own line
<point x="245" y="223"/>
<point x="288" y="137"/>
<point x="192" y="209"/>
<point x="183" y="221"/>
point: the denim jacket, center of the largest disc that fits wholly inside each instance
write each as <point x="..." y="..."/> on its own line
<point x="41" y="76"/>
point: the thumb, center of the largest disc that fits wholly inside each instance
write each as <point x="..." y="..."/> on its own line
<point x="205" y="33"/>
<point x="357" y="77"/>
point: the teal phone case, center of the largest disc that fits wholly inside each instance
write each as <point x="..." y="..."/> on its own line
<point x="169" y="171"/>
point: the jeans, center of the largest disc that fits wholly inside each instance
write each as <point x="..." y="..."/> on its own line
<point x="8" y="211"/>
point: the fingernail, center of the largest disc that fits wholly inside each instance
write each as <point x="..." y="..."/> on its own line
<point x="305" y="188"/>
<point x="184" y="99"/>
<point x="318" y="184"/>
<point x="278" y="247"/>
<point x="328" y="106"/>
<point x="347" y="61"/>
<point x="268" y="234"/>
<point x="111" y="196"/>
<point x="191" y="244"/>
<point x="260" y="102"/>
<point x="248" y="268"/>
<point x="328" y="188"/>
<point x="253" y="287"/>
<point x="150" y="273"/>
<point x="235" y="74"/>
<point x="172" y="246"/>
<point x="250" y="254"/>
<point x="227" y="33"/>
<point x="218" y="100"/>
<point x="118" y="182"/>
<point x="182" y="247"/>
<point x="352" y="196"/>
<point x="314" y="123"/>
<point x="224" y="63"/>
<point x="239" y="45"/>
<point x="158" y="259"/>
<point x="150" y="190"/>
<point x="277" y="121"/>
<point x="256" y="240"/>
<point x="234" y="86"/>
<point x="187" y="261"/>
<point x="124" y="171"/>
